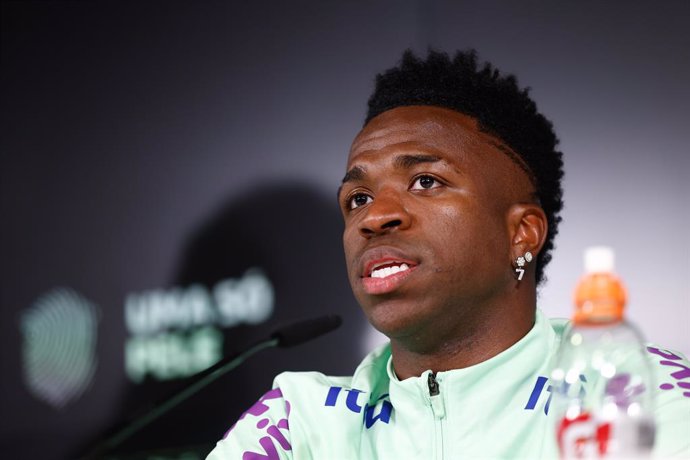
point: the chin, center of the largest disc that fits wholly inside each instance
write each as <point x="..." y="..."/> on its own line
<point x="393" y="322"/>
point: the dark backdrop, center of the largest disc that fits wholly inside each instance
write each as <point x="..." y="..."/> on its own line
<point x="156" y="145"/>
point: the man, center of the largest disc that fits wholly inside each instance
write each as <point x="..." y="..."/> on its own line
<point x="451" y="202"/>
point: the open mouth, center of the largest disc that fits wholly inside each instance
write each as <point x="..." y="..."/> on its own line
<point x="387" y="269"/>
<point x="387" y="265"/>
<point x="384" y="276"/>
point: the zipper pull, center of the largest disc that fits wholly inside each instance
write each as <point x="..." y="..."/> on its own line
<point x="433" y="385"/>
<point x="437" y="404"/>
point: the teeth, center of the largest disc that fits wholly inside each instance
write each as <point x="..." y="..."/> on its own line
<point x="388" y="271"/>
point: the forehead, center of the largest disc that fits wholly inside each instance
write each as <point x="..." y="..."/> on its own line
<point x="432" y="129"/>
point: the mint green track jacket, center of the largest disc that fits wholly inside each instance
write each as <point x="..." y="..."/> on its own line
<point x="497" y="409"/>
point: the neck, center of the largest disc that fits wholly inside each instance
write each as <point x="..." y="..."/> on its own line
<point x="478" y="340"/>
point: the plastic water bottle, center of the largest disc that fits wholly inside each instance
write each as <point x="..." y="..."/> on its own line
<point x="602" y="383"/>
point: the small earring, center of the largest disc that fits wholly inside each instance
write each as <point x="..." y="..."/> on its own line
<point x="520" y="262"/>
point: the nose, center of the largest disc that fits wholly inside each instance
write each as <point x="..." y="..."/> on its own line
<point x="385" y="214"/>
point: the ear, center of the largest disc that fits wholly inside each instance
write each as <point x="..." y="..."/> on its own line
<point x="527" y="226"/>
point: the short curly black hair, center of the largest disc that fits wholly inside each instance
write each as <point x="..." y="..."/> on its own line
<point x="501" y="109"/>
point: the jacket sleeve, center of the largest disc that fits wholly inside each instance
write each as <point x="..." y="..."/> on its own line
<point x="672" y="415"/>
<point x="261" y="433"/>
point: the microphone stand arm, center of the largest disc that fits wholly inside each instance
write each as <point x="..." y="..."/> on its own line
<point x="209" y="375"/>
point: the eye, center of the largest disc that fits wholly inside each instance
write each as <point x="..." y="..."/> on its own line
<point x="425" y="183"/>
<point x="358" y="199"/>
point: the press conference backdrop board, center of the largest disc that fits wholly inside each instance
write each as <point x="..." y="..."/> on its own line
<point x="169" y="173"/>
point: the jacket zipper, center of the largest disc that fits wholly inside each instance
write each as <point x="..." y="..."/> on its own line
<point x="433" y="385"/>
<point x="438" y="410"/>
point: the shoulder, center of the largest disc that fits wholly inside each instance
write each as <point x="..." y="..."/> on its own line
<point x="671" y="371"/>
<point x="670" y="362"/>
<point x="315" y="396"/>
<point x="299" y="405"/>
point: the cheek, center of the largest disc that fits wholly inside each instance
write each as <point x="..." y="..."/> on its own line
<point x="457" y="225"/>
<point x="470" y="236"/>
<point x="452" y="244"/>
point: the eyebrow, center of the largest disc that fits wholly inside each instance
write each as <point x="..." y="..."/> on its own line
<point x="400" y="162"/>
<point x="356" y="173"/>
<point x="408" y="161"/>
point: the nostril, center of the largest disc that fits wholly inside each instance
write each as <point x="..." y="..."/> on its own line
<point x="392" y="223"/>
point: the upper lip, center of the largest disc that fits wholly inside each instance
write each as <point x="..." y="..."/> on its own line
<point x="378" y="256"/>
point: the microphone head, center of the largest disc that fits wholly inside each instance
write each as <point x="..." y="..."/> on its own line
<point x="303" y="331"/>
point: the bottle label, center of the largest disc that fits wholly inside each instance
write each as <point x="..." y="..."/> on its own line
<point x="583" y="437"/>
<point x="588" y="436"/>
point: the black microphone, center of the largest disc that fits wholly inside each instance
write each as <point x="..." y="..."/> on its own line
<point x="284" y="337"/>
<point x="303" y="331"/>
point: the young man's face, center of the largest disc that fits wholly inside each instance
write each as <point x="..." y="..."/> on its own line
<point x="425" y="202"/>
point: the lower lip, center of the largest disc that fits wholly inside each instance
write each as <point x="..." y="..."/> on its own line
<point x="378" y="286"/>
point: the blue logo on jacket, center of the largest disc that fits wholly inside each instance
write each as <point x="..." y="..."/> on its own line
<point x="352" y="404"/>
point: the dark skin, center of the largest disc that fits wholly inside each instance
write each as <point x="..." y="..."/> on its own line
<point x="435" y="216"/>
